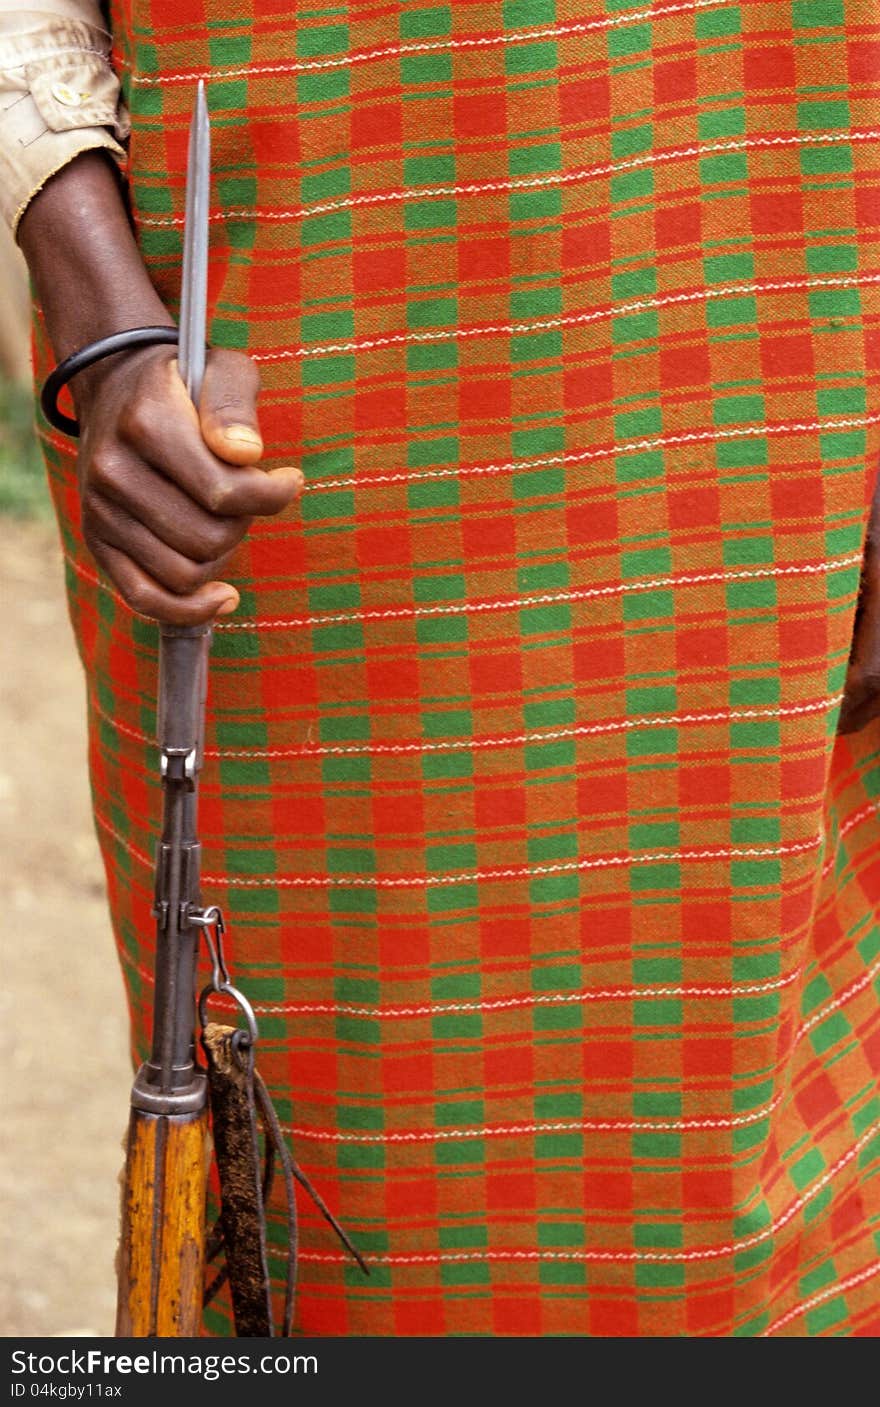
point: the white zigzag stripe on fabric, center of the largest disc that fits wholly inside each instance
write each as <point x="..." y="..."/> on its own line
<point x="554" y="178"/>
<point x="700" y="1253"/>
<point x="687" y="437"/>
<point x="585" y="593"/>
<point x="584" y="994"/>
<point x="435" y="1135"/>
<point x="423" y="881"/>
<point x="430" y="881"/>
<point x="660" y="720"/>
<point x="581" y="319"/>
<point x="830" y="1291"/>
<point x="441" y="46"/>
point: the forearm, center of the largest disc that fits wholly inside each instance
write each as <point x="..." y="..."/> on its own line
<point x="82" y="255"/>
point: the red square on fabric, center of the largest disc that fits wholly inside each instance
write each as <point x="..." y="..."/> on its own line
<point x="693" y="508"/>
<point x="377" y="126"/>
<point x="701" y="645"/>
<point x="863" y="60"/>
<point x="395" y="678"/>
<point x="585" y="100"/>
<point x="484" y="397"/>
<point x="707" y="1189"/>
<point x="380" y="410"/>
<point x="592" y="523"/>
<point x="677" y="224"/>
<point x="599" y="659"/>
<point x="772" y="67"/>
<point x="588" y="385"/>
<point x="417" y="1319"/>
<point x="598" y="795"/>
<point x="513" y="1191"/>
<point x="492" y="534"/>
<point x="407" y="1072"/>
<point x="588" y="244"/>
<point x="773" y="211"/>
<point x="493" y="674"/>
<point x="382" y="547"/>
<point x="604" y="1058"/>
<point x="706" y="1312"/>
<point x="378" y="268"/>
<point x="397" y="814"/>
<point x="613" y="1319"/>
<point x="405" y="1196"/>
<point x="500" y="806"/>
<point x="800" y="497"/>
<point x="608" y="1191"/>
<point x="505" y="937"/>
<point x="818" y="1099"/>
<point x="706" y="1056"/>
<point x="675" y="81"/>
<point x="484" y="258"/>
<point x="848" y="1216"/>
<point x="685" y="366"/>
<point x="515" y="1318"/>
<point x="480" y="114"/>
<point x="509" y="1065"/>
<point x="787" y="356"/>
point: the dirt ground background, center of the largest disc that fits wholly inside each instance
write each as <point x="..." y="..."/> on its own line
<point x="67" y="1077"/>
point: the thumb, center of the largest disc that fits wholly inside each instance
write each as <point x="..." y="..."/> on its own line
<point x="228" y="407"/>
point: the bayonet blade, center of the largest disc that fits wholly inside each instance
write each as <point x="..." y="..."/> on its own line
<point x="194" y="282"/>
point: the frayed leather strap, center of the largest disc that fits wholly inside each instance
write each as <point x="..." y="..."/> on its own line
<point x="239" y="1098"/>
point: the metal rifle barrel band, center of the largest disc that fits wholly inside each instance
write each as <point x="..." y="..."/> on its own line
<point x="87" y="356"/>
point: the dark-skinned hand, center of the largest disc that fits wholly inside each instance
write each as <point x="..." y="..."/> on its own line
<point x="167" y="494"/>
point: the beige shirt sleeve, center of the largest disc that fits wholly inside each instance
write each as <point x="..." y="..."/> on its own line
<point x="59" y="95"/>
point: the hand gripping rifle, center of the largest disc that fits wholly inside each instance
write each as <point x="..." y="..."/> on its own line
<point x="162" y="1251"/>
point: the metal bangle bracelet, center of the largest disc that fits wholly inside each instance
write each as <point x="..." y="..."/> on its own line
<point x="86" y="357"/>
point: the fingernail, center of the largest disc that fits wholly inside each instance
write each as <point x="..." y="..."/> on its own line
<point x="242" y="435"/>
<point x="228" y="606"/>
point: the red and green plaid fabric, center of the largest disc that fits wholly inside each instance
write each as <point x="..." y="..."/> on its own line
<point x="556" y="895"/>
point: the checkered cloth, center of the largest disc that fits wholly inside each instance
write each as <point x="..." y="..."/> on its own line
<point x="556" y="896"/>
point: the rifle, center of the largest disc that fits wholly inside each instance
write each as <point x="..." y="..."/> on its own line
<point x="162" y="1249"/>
<point x="162" y="1252"/>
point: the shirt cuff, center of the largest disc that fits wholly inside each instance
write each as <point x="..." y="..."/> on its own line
<point x="58" y="97"/>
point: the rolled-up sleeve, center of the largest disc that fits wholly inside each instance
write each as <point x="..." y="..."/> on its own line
<point x="59" y="95"/>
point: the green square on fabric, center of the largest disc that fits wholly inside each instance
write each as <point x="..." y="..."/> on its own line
<point x="634" y="283"/>
<point x="425" y="68"/>
<point x="828" y="114"/>
<point x="832" y="258"/>
<point x="632" y="185"/>
<point x="531" y="160"/>
<point x="322" y="87"/>
<point x="535" y="57"/>
<point x="723" y="168"/>
<point x="717" y="24"/>
<point x="834" y="303"/>
<point x="438" y="170"/>
<point x="635" y="327"/>
<point x="731" y="122"/>
<point x="535" y="205"/>
<point x="625" y="40"/>
<point x="817" y="14"/>
<point x="834" y="160"/>
<point x="327" y="39"/>
<point x="631" y="141"/>
<point x="423" y="24"/>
